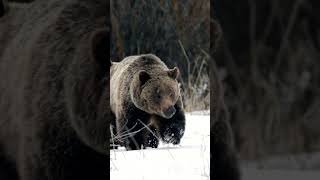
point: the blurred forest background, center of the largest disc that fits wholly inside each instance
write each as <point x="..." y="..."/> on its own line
<point x="268" y="58"/>
<point x="178" y="31"/>
<point x="269" y="61"/>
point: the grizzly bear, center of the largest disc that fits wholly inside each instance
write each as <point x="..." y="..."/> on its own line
<point x="146" y="101"/>
<point x="54" y="99"/>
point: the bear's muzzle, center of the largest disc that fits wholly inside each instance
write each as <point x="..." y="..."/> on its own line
<point x="169" y="112"/>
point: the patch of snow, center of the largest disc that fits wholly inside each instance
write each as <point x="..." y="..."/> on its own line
<point x="188" y="161"/>
<point x="191" y="159"/>
<point x="203" y="113"/>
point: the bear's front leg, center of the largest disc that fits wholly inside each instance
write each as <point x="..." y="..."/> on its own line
<point x="138" y="135"/>
<point x="144" y="136"/>
<point x="151" y="138"/>
<point x="131" y="130"/>
<point x="135" y="141"/>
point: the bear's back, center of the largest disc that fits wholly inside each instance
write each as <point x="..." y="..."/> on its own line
<point x="146" y="62"/>
<point x="122" y="72"/>
<point x="133" y="64"/>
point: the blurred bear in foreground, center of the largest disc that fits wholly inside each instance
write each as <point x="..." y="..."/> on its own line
<point x="54" y="90"/>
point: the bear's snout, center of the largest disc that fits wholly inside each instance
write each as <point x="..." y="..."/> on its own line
<point x="169" y="112"/>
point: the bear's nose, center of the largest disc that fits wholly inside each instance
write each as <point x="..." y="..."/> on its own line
<point x="170" y="112"/>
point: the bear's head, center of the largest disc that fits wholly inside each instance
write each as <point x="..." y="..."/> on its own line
<point x="156" y="92"/>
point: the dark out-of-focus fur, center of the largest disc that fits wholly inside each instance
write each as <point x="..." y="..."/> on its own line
<point x="54" y="102"/>
<point x="224" y="160"/>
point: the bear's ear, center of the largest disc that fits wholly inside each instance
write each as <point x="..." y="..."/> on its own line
<point x="174" y="73"/>
<point x="100" y="49"/>
<point x="143" y="77"/>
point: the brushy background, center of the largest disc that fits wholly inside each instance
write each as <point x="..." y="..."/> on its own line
<point x="270" y="65"/>
<point x="178" y="31"/>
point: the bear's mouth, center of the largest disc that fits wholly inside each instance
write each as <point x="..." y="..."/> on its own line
<point x="169" y="112"/>
<point x="166" y="116"/>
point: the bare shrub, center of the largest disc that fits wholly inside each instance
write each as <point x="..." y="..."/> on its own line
<point x="271" y="58"/>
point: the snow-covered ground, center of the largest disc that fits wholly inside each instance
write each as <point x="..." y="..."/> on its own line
<point x="188" y="161"/>
<point x="191" y="160"/>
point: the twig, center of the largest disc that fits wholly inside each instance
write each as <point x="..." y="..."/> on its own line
<point x="188" y="62"/>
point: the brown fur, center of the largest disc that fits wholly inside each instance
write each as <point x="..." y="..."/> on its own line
<point x="54" y="101"/>
<point x="143" y="84"/>
<point x="224" y="159"/>
<point x="161" y="84"/>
